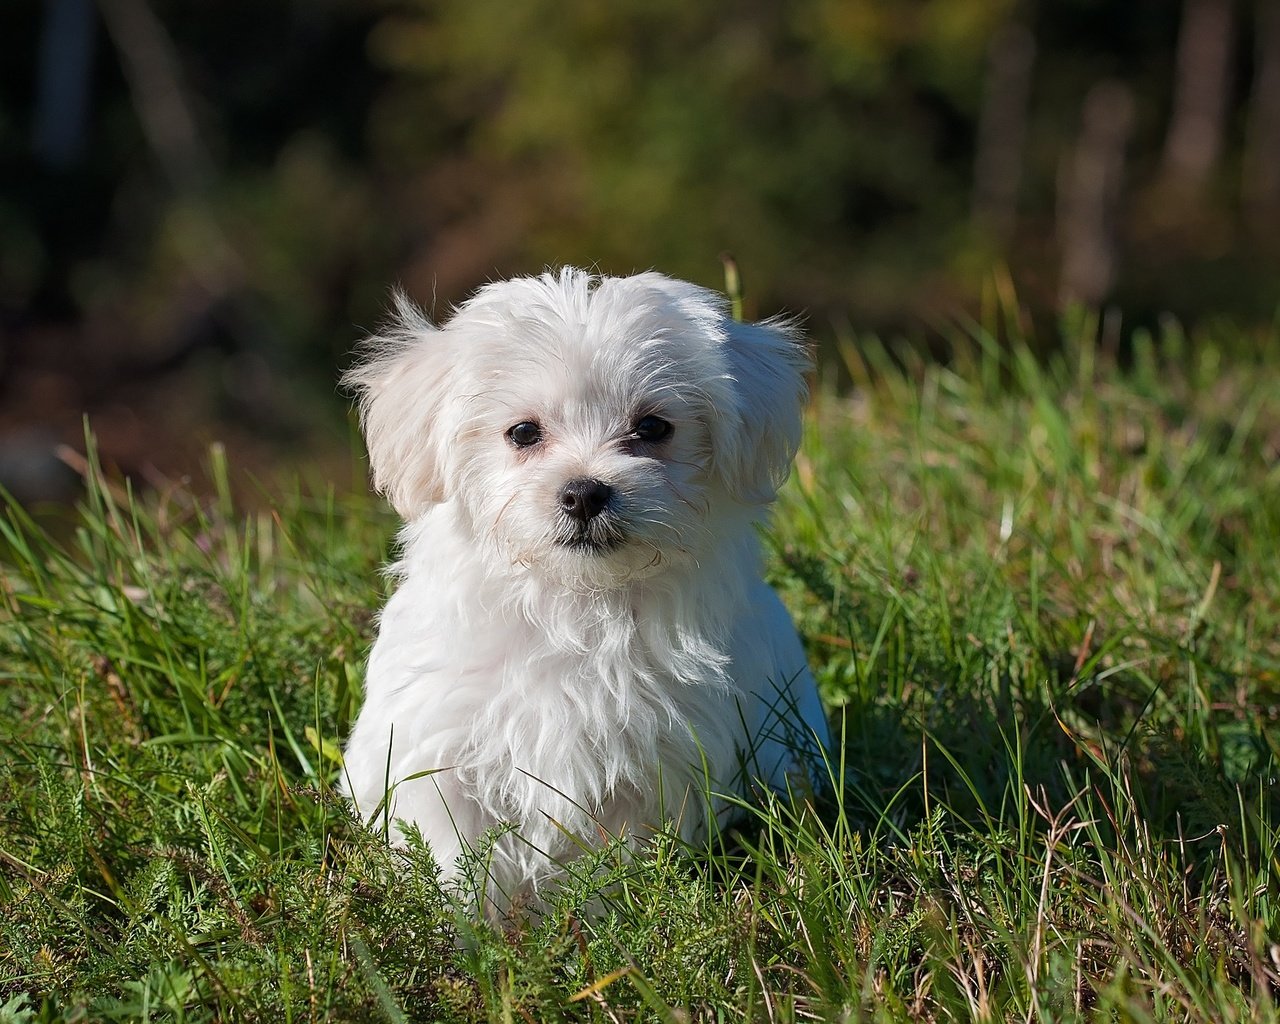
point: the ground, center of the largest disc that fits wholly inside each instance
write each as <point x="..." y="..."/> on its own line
<point x="1038" y="586"/>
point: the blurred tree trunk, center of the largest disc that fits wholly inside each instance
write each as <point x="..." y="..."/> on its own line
<point x="1262" y="152"/>
<point x="1089" y="189"/>
<point x="152" y="68"/>
<point x="1002" y="130"/>
<point x="1201" y="89"/>
<point x="63" y="81"/>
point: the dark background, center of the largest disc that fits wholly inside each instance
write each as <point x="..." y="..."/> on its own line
<point x="203" y="205"/>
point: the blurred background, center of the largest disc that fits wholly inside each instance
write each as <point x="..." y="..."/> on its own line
<point x="203" y="206"/>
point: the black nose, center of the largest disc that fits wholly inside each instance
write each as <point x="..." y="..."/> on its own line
<point x="584" y="499"/>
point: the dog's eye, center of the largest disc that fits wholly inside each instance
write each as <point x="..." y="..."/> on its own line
<point x="525" y="435"/>
<point x="653" y="429"/>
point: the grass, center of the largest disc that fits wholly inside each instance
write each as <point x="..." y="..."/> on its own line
<point x="1041" y="595"/>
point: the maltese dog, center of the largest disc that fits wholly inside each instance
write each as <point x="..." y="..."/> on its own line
<point x="580" y="645"/>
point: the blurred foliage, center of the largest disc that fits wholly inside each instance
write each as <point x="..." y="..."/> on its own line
<point x="823" y="143"/>
<point x="341" y="145"/>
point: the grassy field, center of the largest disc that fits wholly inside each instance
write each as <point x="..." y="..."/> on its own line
<point x="1041" y="596"/>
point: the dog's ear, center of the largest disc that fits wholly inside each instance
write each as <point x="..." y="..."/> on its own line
<point x="756" y="393"/>
<point x="402" y="382"/>
<point x="753" y="446"/>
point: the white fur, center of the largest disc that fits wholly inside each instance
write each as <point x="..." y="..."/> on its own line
<point x="560" y="690"/>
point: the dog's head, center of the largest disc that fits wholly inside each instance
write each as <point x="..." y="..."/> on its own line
<point x="590" y="428"/>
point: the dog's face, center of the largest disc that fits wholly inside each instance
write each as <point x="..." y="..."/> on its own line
<point x="590" y="430"/>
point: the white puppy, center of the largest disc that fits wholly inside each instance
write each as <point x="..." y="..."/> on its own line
<point x="580" y="642"/>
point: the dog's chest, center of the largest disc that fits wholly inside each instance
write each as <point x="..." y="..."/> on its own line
<point x="597" y="703"/>
<point x="559" y="708"/>
<point x="603" y="694"/>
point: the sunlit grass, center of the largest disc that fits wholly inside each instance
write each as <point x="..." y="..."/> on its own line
<point x="1041" y="595"/>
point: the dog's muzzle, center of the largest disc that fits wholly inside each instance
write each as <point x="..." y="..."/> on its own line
<point x="583" y="498"/>
<point x="586" y="507"/>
